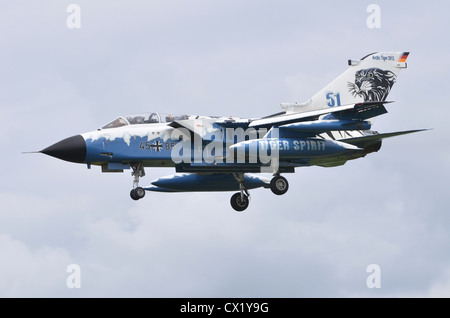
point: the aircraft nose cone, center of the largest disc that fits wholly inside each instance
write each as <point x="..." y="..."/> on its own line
<point x="71" y="149"/>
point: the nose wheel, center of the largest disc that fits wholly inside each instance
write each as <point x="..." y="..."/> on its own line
<point x="137" y="192"/>
<point x="240" y="200"/>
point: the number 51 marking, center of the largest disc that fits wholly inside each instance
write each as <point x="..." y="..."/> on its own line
<point x="334" y="99"/>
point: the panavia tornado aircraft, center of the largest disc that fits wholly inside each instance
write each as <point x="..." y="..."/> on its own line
<point x="225" y="153"/>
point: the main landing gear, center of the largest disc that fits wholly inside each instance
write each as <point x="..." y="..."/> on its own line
<point x="279" y="185"/>
<point x="137" y="192"/>
<point x="240" y="200"/>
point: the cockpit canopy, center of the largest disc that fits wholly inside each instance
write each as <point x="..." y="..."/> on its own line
<point x="143" y="118"/>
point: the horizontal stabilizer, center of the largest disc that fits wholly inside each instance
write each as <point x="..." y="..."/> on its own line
<point x="377" y="137"/>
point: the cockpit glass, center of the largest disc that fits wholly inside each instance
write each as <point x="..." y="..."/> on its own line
<point x="144" y="118"/>
<point x="116" y="123"/>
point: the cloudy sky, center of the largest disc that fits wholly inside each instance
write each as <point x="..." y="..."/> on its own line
<point x="230" y="57"/>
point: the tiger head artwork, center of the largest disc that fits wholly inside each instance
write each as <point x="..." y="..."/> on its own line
<point x="373" y="84"/>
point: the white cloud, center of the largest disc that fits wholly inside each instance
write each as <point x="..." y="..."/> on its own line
<point x="229" y="58"/>
<point x="441" y="287"/>
<point x="31" y="273"/>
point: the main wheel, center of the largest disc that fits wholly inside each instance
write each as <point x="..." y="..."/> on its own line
<point x="238" y="202"/>
<point x="133" y="195"/>
<point x="279" y="185"/>
<point x="140" y="192"/>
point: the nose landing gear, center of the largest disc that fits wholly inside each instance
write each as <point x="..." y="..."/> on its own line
<point x="137" y="193"/>
<point x="240" y="200"/>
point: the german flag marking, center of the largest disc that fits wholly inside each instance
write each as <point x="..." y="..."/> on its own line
<point x="404" y="57"/>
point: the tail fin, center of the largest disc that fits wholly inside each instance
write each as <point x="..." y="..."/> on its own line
<point x="366" y="80"/>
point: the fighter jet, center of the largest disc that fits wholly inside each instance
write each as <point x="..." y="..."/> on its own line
<point x="213" y="153"/>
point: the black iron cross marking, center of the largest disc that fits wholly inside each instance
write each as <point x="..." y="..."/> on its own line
<point x="157" y="145"/>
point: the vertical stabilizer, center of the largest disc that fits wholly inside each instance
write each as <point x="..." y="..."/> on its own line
<point x="366" y="80"/>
